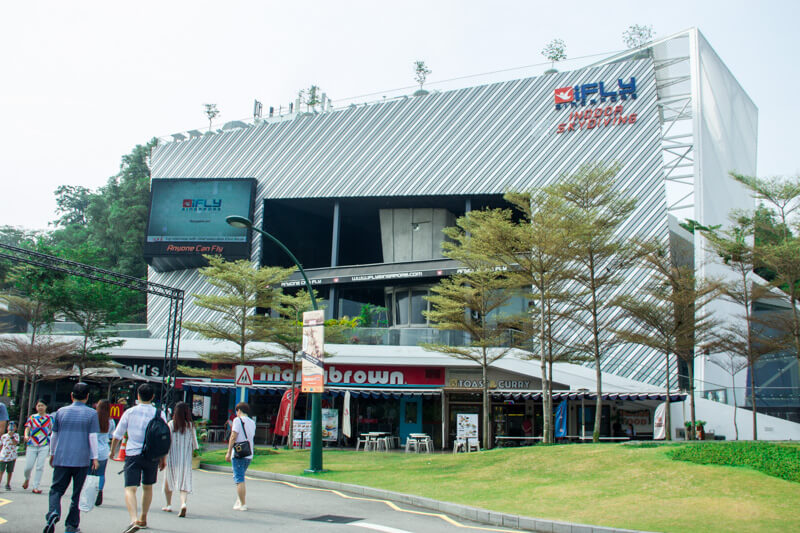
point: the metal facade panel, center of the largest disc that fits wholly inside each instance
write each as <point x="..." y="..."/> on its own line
<point x="480" y="140"/>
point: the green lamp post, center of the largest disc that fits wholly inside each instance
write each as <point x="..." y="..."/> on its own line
<point x="316" y="398"/>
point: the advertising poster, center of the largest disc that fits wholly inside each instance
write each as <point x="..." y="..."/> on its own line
<point x="330" y="425"/>
<point x="467" y="426"/>
<point x="302" y="433"/>
<point x="313" y="351"/>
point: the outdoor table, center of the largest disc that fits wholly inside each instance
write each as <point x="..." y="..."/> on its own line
<point x="215" y="433"/>
<point x="417" y="438"/>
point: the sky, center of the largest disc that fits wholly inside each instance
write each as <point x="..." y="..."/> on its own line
<point x="82" y="83"/>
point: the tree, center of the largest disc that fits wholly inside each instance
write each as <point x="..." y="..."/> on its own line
<point x="555" y="51"/>
<point x="531" y="250"/>
<point x="72" y="201"/>
<point x="469" y="302"/>
<point x="637" y="35"/>
<point x="595" y="209"/>
<point x="211" y="112"/>
<point x="731" y="363"/>
<point x="421" y="72"/>
<point x="311" y="97"/>
<point x="777" y="249"/>
<point x="750" y="338"/>
<point x="240" y="291"/>
<point x="668" y="314"/>
<point x="35" y="359"/>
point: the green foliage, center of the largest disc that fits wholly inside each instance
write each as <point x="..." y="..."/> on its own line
<point x="555" y="50"/>
<point x="776" y="460"/>
<point x="421" y="72"/>
<point x="241" y="289"/>
<point x="637" y="35"/>
<point x="370" y="316"/>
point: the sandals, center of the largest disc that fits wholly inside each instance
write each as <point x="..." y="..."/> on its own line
<point x="167" y="508"/>
<point x="182" y="514"/>
<point x="132" y="528"/>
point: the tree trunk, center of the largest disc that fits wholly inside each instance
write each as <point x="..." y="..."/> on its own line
<point x="550" y="398"/>
<point x="486" y="413"/>
<point x="690" y="432"/>
<point x="31" y="394"/>
<point x="735" y="408"/>
<point x="23" y="400"/>
<point x="290" y="437"/>
<point x="667" y="415"/>
<point x="753" y="400"/>
<point x="545" y="378"/>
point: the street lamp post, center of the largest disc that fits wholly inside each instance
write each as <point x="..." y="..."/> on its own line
<point x="315" y="464"/>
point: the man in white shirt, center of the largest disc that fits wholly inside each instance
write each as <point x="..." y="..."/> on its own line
<point x="138" y="469"/>
<point x="243" y="429"/>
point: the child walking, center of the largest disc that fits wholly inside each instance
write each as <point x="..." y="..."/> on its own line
<point x="8" y="452"/>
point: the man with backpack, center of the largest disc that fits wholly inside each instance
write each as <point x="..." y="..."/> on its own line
<point x="145" y="452"/>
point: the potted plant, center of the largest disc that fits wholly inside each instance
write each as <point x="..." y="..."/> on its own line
<point x="700" y="429"/>
<point x="689" y="430"/>
<point x="201" y="427"/>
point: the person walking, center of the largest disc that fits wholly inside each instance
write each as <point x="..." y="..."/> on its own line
<point x="178" y="475"/>
<point x="139" y="470"/>
<point x="107" y="426"/>
<point x="73" y="446"/>
<point x="37" y="445"/>
<point x="8" y="452"/>
<point x="244" y="429"/>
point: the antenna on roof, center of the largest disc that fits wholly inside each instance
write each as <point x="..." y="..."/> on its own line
<point x="257" y="107"/>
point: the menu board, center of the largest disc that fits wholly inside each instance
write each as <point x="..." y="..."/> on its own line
<point x="301" y="432"/>
<point x="466" y="426"/>
<point x="330" y="425"/>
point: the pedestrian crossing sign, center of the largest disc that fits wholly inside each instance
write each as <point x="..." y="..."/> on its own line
<point x="244" y="376"/>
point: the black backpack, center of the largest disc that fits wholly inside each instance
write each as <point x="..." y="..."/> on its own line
<point x="157" y="438"/>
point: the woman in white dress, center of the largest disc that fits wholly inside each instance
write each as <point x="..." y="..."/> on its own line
<point x="179" y="461"/>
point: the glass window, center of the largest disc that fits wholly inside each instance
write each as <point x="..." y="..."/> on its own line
<point x="401" y="308"/>
<point x="418" y="305"/>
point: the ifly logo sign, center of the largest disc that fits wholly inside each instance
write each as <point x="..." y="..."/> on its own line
<point x="594" y="93"/>
<point x="202" y="204"/>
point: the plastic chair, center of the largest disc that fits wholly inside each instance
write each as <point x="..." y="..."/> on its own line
<point x="362" y="439"/>
<point x="411" y="444"/>
<point x="473" y="445"/>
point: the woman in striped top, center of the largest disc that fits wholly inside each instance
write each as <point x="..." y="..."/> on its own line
<point x="179" y="460"/>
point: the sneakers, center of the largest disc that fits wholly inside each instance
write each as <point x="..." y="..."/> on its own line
<point x="8" y="487"/>
<point x="99" y="501"/>
<point x="239" y="507"/>
<point x="242" y="507"/>
<point x="50" y="526"/>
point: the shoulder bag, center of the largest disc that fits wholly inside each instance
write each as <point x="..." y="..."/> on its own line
<point x="241" y="450"/>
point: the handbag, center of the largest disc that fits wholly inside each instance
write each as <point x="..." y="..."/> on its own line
<point x="89" y="493"/>
<point x="242" y="449"/>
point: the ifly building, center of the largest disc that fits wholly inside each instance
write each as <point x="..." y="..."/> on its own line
<point x="361" y="194"/>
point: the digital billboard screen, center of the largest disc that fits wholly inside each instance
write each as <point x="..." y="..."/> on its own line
<point x="187" y="220"/>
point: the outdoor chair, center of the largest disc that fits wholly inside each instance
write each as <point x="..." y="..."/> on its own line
<point x="362" y="439"/>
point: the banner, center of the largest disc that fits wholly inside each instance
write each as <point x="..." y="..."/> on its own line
<point x="313" y="351"/>
<point x="115" y="410"/>
<point x="561" y="420"/>
<point x="660" y="422"/>
<point x="346" y="430"/>
<point x="330" y="425"/>
<point x="282" y="420"/>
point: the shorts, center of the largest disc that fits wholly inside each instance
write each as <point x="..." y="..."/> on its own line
<point x="139" y="470"/>
<point x="239" y="468"/>
<point x="7" y="466"/>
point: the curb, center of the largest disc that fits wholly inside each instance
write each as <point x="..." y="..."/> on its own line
<point x="475" y="514"/>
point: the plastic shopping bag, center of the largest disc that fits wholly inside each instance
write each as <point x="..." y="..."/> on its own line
<point x="89" y="493"/>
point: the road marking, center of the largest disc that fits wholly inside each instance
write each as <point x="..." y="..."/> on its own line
<point x="391" y="504"/>
<point x="3" y="502"/>
<point x="378" y="527"/>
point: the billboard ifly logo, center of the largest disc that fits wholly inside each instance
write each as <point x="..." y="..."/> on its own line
<point x="202" y="204"/>
<point x="594" y="93"/>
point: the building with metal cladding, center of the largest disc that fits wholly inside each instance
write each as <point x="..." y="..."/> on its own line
<point x="360" y="194"/>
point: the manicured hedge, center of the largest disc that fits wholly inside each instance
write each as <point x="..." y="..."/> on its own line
<point x="782" y="461"/>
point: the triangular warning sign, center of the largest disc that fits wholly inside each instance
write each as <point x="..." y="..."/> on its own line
<point x="244" y="379"/>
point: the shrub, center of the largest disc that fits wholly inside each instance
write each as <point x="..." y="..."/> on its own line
<point x="776" y="460"/>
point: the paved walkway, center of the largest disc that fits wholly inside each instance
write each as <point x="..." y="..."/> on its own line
<point x="273" y="506"/>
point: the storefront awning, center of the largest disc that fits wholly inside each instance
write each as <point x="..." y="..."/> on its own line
<point x="356" y="392"/>
<point x="588" y="395"/>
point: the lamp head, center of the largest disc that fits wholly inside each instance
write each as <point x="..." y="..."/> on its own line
<point x="239" y="222"/>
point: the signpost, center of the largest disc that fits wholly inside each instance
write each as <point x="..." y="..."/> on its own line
<point x="313" y="351"/>
<point x="244" y="379"/>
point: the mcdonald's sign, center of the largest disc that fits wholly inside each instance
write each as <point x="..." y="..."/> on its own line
<point x="116" y="410"/>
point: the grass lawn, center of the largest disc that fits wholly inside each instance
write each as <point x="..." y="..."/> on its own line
<point x="602" y="484"/>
